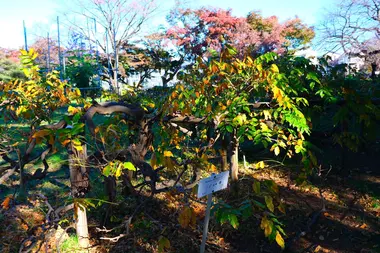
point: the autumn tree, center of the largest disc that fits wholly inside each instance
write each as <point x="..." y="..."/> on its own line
<point x="353" y="27"/>
<point x="48" y="53"/>
<point x="269" y="34"/>
<point x="194" y="31"/>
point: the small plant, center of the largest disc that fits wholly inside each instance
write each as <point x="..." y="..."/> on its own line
<point x="70" y="245"/>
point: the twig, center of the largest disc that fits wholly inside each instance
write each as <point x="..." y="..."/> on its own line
<point x="113" y="239"/>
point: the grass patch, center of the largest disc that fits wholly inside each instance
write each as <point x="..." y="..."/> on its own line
<point x="71" y="244"/>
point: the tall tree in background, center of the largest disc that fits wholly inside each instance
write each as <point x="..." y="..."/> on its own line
<point x="194" y="31"/>
<point x="120" y="20"/>
<point x="269" y="34"/>
<point x="48" y="53"/>
<point x="354" y="27"/>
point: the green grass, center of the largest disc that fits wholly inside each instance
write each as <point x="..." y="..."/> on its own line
<point x="70" y="245"/>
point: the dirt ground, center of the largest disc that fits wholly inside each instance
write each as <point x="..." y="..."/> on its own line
<point x="345" y="220"/>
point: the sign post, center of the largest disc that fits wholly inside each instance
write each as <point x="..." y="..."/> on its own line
<point x="208" y="186"/>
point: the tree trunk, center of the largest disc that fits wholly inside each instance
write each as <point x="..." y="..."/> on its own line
<point x="164" y="81"/>
<point x="234" y="157"/>
<point x="115" y="72"/>
<point x="223" y="153"/>
<point x="110" y="185"/>
<point x="80" y="183"/>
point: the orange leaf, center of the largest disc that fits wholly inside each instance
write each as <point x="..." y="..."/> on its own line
<point x="51" y="140"/>
<point x="6" y="202"/>
<point x="65" y="142"/>
<point x="41" y="133"/>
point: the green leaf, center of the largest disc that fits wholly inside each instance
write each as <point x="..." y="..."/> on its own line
<point x="129" y="166"/>
<point x="259" y="204"/>
<point x="313" y="76"/>
<point x="107" y="170"/>
<point x="233" y="221"/>
<point x="229" y="128"/>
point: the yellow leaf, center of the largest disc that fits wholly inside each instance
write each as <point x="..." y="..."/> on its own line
<point x="72" y="110"/>
<point x="266" y="225"/>
<point x="212" y="168"/>
<point x="168" y="154"/>
<point x="204" y="157"/>
<point x="277" y="150"/>
<point x="260" y="165"/>
<point x="169" y="163"/>
<point x="269" y="203"/>
<point x="277" y="94"/>
<point x="264" y="222"/>
<point x="267" y="115"/>
<point x="78" y="148"/>
<point x="77" y="92"/>
<point x="280" y="241"/>
<point x="118" y="170"/>
<point x="184" y="218"/>
<point x="274" y="68"/>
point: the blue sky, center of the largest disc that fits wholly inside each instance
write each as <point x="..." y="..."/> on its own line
<point x="40" y="15"/>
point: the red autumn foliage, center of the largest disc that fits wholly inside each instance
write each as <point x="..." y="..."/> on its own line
<point x="194" y="31"/>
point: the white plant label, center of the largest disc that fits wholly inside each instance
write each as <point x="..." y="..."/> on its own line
<point x="213" y="184"/>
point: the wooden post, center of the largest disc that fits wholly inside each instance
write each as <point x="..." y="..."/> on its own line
<point x="81" y="226"/>
<point x="80" y="183"/>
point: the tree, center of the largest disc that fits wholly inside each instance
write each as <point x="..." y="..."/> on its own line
<point x="353" y="26"/>
<point x="223" y="98"/>
<point x="195" y="31"/>
<point x="120" y="20"/>
<point x="152" y="57"/>
<point x="48" y="53"/>
<point x="244" y="100"/>
<point x="271" y="35"/>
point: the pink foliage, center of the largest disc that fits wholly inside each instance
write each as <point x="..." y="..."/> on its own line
<point x="12" y="55"/>
<point x="197" y="30"/>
